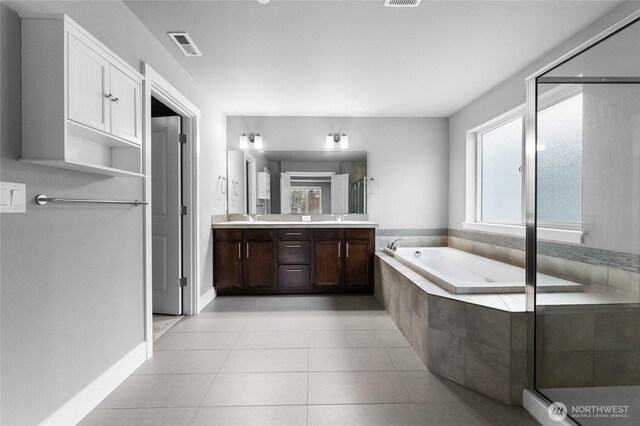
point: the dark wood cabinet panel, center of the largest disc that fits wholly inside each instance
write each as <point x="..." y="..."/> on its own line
<point x="293" y="276"/>
<point x="228" y="264"/>
<point x="327" y="263"/>
<point x="293" y="260"/>
<point x="327" y="234"/>
<point x="357" y="263"/>
<point x="293" y="252"/>
<point x="259" y="260"/>
<point x="293" y="234"/>
<point x="228" y="234"/>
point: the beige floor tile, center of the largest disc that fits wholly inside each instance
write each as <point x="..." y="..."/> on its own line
<point x="258" y="389"/>
<point x="364" y="415"/>
<point x="278" y="323"/>
<point x="393" y="339"/>
<point x="344" y="339"/>
<point x="139" y="417"/>
<point x="160" y="391"/>
<point x="266" y="361"/>
<point x="356" y="388"/>
<point x="273" y="340"/>
<point x="245" y="416"/>
<point x="195" y="341"/>
<point x="208" y="325"/>
<point x="345" y="322"/>
<point x="184" y="362"/>
<point x="425" y="386"/>
<point x="349" y="359"/>
<point x="405" y="359"/>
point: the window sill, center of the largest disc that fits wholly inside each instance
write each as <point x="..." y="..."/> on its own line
<point x="549" y="234"/>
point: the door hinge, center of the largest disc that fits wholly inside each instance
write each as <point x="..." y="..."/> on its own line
<point x="182" y="282"/>
<point x="182" y="210"/>
<point x="182" y="138"/>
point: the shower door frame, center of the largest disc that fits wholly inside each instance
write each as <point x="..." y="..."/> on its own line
<point x="530" y="168"/>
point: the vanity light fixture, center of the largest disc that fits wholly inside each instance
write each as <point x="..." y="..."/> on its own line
<point x="253" y="138"/>
<point x="337" y="138"/>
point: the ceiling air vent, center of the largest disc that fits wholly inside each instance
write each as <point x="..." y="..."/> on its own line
<point x="186" y="45"/>
<point x="401" y="3"/>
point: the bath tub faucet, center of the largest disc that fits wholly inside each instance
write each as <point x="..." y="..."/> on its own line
<point x="394" y="245"/>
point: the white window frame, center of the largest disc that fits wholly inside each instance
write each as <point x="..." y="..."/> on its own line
<point x="561" y="232"/>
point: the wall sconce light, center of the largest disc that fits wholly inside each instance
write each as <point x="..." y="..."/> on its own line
<point x="253" y="138"/>
<point x="337" y="138"/>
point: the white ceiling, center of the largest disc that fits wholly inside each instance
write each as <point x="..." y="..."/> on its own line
<point x="358" y="58"/>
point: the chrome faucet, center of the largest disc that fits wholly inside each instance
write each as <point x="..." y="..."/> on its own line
<point x="341" y="217"/>
<point x="252" y="217"/>
<point x="394" y="245"/>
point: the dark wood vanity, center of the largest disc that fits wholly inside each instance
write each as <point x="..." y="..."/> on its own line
<point x="293" y="260"/>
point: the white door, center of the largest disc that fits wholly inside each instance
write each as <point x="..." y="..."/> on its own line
<point x="166" y="220"/>
<point x="340" y="194"/>
<point x="125" y="106"/>
<point x="88" y="89"/>
<point x="285" y="194"/>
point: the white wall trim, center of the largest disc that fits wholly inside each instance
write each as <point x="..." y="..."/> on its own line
<point x="88" y="398"/>
<point x="206" y="298"/>
<point x="155" y="84"/>
<point x="549" y="234"/>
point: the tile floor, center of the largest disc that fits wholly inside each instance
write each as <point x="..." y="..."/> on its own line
<point x="293" y="360"/>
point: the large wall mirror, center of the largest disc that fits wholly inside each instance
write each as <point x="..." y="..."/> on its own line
<point x="297" y="182"/>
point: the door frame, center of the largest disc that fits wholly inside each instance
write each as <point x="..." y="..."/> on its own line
<point x="154" y="84"/>
<point x="251" y="175"/>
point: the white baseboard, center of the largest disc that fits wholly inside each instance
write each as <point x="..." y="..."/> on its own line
<point x="88" y="398"/>
<point x="206" y="298"/>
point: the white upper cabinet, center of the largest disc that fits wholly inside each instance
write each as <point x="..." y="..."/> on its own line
<point x="81" y="104"/>
<point x="125" y="106"/>
<point x="88" y="88"/>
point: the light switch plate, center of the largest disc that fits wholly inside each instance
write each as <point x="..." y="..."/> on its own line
<point x="12" y="197"/>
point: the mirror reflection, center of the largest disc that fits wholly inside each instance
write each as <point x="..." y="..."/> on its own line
<point x="297" y="182"/>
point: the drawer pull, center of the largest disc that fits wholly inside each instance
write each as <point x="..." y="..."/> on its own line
<point x="339" y="250"/>
<point x="294" y="270"/>
<point x="293" y="233"/>
<point x="297" y="246"/>
<point x="247" y="250"/>
<point x="239" y="251"/>
<point x="347" y="250"/>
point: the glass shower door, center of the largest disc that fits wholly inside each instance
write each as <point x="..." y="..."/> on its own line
<point x="587" y="221"/>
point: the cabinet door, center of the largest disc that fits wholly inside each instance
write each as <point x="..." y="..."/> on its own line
<point x="357" y="261"/>
<point x="88" y="86"/>
<point x="228" y="264"/>
<point x="126" y="112"/>
<point x="259" y="264"/>
<point x="327" y="261"/>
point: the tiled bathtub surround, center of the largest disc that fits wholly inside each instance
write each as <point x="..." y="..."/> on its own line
<point x="602" y="271"/>
<point x="588" y="346"/>
<point x="478" y="341"/>
<point x="436" y="237"/>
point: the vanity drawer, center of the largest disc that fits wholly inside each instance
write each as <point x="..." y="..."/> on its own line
<point x="293" y="276"/>
<point x="228" y="234"/>
<point x="293" y="234"/>
<point x="293" y="251"/>
<point x="258" y="234"/>
<point x="327" y="234"/>
<point x="357" y="233"/>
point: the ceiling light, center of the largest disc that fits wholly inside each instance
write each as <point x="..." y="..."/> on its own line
<point x="337" y="138"/>
<point x="263" y="1"/>
<point x="253" y="138"/>
<point x="401" y="3"/>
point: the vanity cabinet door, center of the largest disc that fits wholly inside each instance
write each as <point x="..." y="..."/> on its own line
<point x="357" y="262"/>
<point x="228" y="264"/>
<point x="259" y="261"/>
<point x="327" y="263"/>
<point x="126" y="111"/>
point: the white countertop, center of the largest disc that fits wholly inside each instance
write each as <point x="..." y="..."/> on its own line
<point x="294" y="224"/>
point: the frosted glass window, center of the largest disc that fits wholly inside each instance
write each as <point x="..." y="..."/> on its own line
<point x="560" y="162"/>
<point x="500" y="177"/>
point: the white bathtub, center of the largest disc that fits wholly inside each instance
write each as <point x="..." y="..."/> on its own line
<point x="460" y="272"/>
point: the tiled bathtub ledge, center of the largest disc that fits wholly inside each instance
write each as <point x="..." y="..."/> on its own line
<point x="478" y="341"/>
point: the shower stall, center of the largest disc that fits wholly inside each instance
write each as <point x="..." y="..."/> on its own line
<point x="583" y="188"/>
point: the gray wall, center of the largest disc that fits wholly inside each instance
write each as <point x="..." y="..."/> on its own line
<point x="408" y="156"/>
<point x="508" y="95"/>
<point x="72" y="285"/>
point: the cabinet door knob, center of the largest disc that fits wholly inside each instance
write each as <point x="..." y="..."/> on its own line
<point x="109" y="96"/>
<point x="116" y="100"/>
